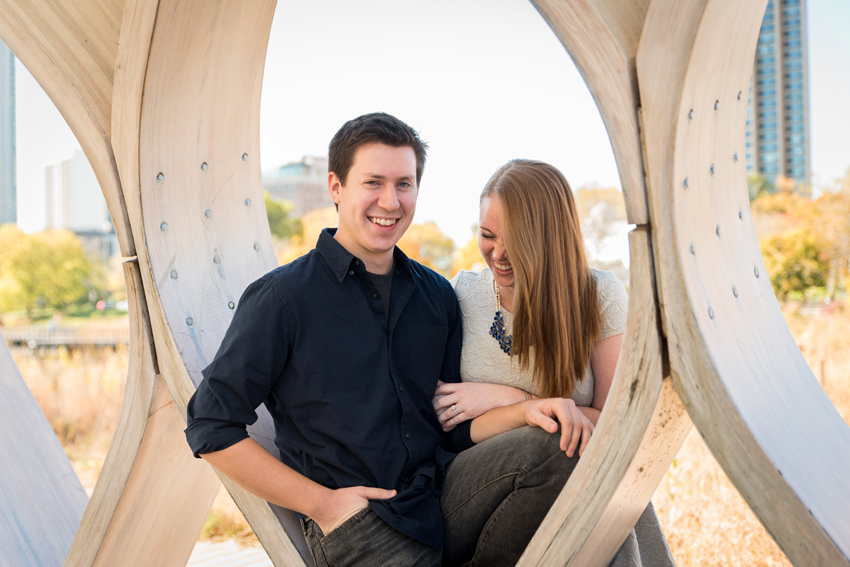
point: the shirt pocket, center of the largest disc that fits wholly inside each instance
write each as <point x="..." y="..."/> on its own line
<point x="427" y="345"/>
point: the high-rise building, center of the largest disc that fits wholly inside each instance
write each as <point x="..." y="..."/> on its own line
<point x="303" y="183"/>
<point x="73" y="201"/>
<point x="8" y="190"/>
<point x="777" y="132"/>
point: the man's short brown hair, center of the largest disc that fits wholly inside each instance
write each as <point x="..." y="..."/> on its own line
<point x="375" y="128"/>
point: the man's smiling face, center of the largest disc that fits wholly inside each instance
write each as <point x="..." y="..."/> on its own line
<point x="377" y="202"/>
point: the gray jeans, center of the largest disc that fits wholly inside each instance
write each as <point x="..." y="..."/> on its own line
<point x="495" y="497"/>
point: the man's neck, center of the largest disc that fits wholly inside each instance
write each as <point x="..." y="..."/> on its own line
<point x="375" y="263"/>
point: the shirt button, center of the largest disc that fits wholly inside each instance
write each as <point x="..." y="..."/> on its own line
<point x="407" y="435"/>
<point x="350" y="272"/>
<point x="401" y="389"/>
<point x="356" y="262"/>
<point x="375" y="295"/>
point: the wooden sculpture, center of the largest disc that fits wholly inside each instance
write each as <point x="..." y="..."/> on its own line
<point x="164" y="97"/>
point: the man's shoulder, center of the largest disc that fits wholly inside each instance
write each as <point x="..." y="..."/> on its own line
<point x="429" y="277"/>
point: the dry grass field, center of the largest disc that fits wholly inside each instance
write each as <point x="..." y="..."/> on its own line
<point x="706" y="521"/>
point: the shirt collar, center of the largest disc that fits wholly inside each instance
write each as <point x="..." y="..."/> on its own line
<point x="339" y="259"/>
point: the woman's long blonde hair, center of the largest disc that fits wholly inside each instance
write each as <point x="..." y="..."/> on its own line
<point x="555" y="306"/>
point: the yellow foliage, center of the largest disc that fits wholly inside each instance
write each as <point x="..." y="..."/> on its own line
<point x="468" y="256"/>
<point x="586" y="198"/>
<point x="429" y="246"/>
<point x="311" y="226"/>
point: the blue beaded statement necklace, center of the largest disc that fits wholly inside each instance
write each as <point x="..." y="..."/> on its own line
<point x="497" y="329"/>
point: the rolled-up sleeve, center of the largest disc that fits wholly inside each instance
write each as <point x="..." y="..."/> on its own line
<point x="460" y="437"/>
<point x="246" y="367"/>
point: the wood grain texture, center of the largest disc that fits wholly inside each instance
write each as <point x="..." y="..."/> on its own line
<point x="602" y="38"/>
<point x="639" y="433"/>
<point x="41" y="498"/>
<point x="734" y="362"/>
<point x="187" y="93"/>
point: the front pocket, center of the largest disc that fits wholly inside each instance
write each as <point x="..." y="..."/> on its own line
<point x="346" y="525"/>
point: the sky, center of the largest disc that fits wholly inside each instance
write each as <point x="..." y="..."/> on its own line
<point x="484" y="81"/>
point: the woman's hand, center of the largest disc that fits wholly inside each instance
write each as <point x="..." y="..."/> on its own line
<point x="548" y="412"/>
<point x="471" y="399"/>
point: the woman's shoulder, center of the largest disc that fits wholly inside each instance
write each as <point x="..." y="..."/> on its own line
<point x="472" y="280"/>
<point x="613" y="302"/>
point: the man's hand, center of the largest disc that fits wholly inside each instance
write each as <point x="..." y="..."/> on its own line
<point x="574" y="424"/>
<point x="343" y="503"/>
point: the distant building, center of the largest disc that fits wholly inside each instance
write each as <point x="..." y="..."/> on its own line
<point x="777" y="132"/>
<point x="74" y="201"/>
<point x="8" y="190"/>
<point x="303" y="183"/>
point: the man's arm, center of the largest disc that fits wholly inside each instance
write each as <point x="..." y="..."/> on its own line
<point x="257" y="471"/>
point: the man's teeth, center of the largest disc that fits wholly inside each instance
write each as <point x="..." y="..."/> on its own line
<point x="383" y="222"/>
<point x="503" y="267"/>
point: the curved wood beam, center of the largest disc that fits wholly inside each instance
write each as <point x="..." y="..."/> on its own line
<point x="602" y="37"/>
<point x="186" y="123"/>
<point x="734" y="362"/>
<point x="644" y="424"/>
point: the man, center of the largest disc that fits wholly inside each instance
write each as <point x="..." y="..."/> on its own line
<point x="345" y="346"/>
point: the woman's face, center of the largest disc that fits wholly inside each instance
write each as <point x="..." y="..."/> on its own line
<point x="492" y="245"/>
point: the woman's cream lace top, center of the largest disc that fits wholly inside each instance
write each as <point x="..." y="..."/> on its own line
<point x="482" y="360"/>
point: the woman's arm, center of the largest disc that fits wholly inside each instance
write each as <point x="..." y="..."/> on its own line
<point x="472" y="399"/>
<point x="603" y="363"/>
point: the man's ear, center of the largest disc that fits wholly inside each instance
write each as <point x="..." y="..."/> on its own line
<point x="334" y="186"/>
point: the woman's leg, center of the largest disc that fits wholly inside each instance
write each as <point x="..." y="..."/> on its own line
<point x="498" y="492"/>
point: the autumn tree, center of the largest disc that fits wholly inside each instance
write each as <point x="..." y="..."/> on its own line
<point x="305" y="240"/>
<point x="468" y="256"/>
<point x="795" y="263"/>
<point x="429" y="246"/>
<point x="44" y="269"/>
<point x="279" y="213"/>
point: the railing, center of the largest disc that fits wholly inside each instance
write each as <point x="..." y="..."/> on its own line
<point x="37" y="337"/>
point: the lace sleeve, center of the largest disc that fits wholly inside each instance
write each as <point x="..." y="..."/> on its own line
<point x="613" y="303"/>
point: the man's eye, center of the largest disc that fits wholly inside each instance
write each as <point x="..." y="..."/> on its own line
<point x="406" y="184"/>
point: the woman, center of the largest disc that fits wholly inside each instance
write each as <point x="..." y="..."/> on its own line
<point x="538" y="322"/>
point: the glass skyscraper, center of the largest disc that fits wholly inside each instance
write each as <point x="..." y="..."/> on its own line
<point x="8" y="197"/>
<point x="777" y="132"/>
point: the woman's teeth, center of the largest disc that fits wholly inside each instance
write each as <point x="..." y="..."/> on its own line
<point x="383" y="222"/>
<point x="503" y="267"/>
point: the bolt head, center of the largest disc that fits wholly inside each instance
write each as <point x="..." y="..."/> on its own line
<point x="190" y="321"/>
<point x="686" y="184"/>
<point x="173" y="274"/>
<point x="244" y="157"/>
<point x="711" y="312"/>
<point x="756" y="271"/>
<point x="207" y="214"/>
<point x="693" y="249"/>
<point x="247" y="202"/>
<point x="691" y="114"/>
<point x="717" y="230"/>
<point x="231" y="305"/>
<point x="159" y="177"/>
<point x="735" y="157"/>
<point x="740" y="94"/>
<point x="163" y="226"/>
<point x="216" y="260"/>
<point x="256" y="246"/>
<point x="711" y="169"/>
<point x="734" y="291"/>
<point x="204" y="166"/>
<point x="716" y="105"/>
<point x="741" y="215"/>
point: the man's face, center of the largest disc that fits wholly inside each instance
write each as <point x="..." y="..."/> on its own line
<point x="377" y="203"/>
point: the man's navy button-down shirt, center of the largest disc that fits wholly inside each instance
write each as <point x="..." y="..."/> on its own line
<point x="349" y="389"/>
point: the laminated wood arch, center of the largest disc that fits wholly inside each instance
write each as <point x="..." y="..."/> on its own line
<point x="164" y="98"/>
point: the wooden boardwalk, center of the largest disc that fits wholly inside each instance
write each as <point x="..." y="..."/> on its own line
<point x="228" y="554"/>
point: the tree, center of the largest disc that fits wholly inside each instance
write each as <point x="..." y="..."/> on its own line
<point x="795" y="262"/>
<point x="468" y="256"/>
<point x="44" y="269"/>
<point x="280" y="223"/>
<point x="758" y="185"/>
<point x="588" y="197"/>
<point x="429" y="246"/>
<point x="305" y="240"/>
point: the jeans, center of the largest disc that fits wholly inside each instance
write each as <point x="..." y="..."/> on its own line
<point x="497" y="494"/>
<point x="368" y="541"/>
<point x="495" y="497"/>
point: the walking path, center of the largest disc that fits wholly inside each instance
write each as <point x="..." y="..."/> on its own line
<point x="228" y="554"/>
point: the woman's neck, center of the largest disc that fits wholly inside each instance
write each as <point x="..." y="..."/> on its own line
<point x="506" y="298"/>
